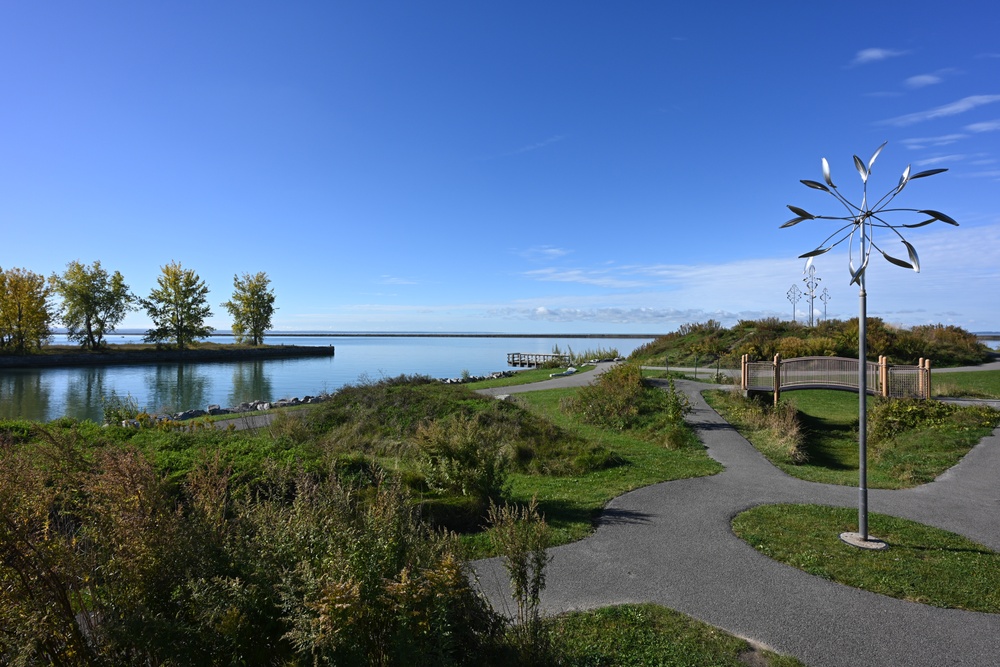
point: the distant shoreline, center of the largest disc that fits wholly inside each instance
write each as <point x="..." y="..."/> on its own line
<point x="415" y="334"/>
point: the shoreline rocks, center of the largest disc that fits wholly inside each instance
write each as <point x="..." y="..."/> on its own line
<point x="259" y="405"/>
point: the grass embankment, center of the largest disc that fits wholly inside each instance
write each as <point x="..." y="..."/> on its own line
<point x="922" y="564"/>
<point x="813" y="435"/>
<point x="706" y="343"/>
<point x="976" y="384"/>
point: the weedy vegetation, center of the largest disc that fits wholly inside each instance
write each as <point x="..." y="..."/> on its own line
<point x="337" y="534"/>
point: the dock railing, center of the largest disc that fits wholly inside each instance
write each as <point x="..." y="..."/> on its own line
<point x="522" y="359"/>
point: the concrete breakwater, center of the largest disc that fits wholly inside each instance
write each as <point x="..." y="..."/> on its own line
<point x="164" y="356"/>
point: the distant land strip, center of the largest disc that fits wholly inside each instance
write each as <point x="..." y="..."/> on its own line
<point x="153" y="356"/>
<point x="410" y="334"/>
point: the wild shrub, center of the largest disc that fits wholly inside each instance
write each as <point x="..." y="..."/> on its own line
<point x="91" y="543"/>
<point x="370" y="585"/>
<point x="613" y="400"/>
<point x="621" y="399"/>
<point x="117" y="408"/>
<point x="521" y="537"/>
<point x="289" y="425"/>
<point x="463" y="455"/>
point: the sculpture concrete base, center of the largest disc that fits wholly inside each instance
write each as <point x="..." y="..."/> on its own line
<point x="856" y="540"/>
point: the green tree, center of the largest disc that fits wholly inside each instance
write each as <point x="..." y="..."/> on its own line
<point x="93" y="302"/>
<point x="25" y="312"/>
<point x="178" y="307"/>
<point x="251" y="306"/>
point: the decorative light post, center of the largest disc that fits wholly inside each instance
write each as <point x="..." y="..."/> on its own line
<point x="861" y="222"/>
<point x="794" y="294"/>
<point x="812" y="282"/>
<point x="824" y="297"/>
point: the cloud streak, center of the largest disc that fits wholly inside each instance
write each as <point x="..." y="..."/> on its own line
<point x="988" y="126"/>
<point x="534" y="147"/>
<point x="865" y="56"/>
<point x="923" y="142"/>
<point x="543" y="252"/>
<point x="953" y="109"/>
<point x="922" y="80"/>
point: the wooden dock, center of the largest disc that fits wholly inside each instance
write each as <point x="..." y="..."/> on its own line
<point x="524" y="360"/>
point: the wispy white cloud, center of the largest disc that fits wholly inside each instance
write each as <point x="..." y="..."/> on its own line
<point x="922" y="80"/>
<point x="396" y="280"/>
<point x="534" y="147"/>
<point x="960" y="106"/>
<point x="543" y="253"/>
<point x="872" y="55"/>
<point x="939" y="159"/>
<point x="594" y="277"/>
<point x="658" y="319"/>
<point x="987" y="126"/>
<point x="925" y="142"/>
<point x="929" y="79"/>
<point x="990" y="173"/>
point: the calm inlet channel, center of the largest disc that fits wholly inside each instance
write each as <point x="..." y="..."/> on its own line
<point x="44" y="394"/>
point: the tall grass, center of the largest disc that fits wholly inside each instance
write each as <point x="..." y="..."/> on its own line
<point x="775" y="431"/>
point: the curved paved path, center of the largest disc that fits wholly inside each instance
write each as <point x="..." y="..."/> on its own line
<point x="671" y="544"/>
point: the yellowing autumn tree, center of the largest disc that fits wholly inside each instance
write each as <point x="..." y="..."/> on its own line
<point x="252" y="306"/>
<point x="93" y="302"/>
<point x="178" y="307"/>
<point x="25" y="312"/>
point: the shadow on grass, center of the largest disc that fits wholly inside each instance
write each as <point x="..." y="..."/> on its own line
<point x="819" y="432"/>
<point x="559" y="513"/>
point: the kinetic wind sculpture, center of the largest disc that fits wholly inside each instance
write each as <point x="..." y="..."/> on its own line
<point x="794" y="294"/>
<point x="812" y="282"/>
<point x="825" y="298"/>
<point x="860" y="225"/>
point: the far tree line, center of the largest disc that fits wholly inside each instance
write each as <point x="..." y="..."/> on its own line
<point x="92" y="302"/>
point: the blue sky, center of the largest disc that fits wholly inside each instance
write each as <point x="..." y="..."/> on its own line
<point x="546" y="167"/>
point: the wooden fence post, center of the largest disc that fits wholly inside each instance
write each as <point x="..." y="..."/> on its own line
<point x="926" y="375"/>
<point x="744" y="380"/>
<point x="883" y="374"/>
<point x="777" y="378"/>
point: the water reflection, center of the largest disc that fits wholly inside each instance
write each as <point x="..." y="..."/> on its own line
<point x="85" y="389"/>
<point x="176" y="387"/>
<point x="250" y="383"/>
<point x="23" y="392"/>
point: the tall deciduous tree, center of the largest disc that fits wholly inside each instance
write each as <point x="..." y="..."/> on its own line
<point x="25" y="312"/>
<point x="93" y="302"/>
<point x="178" y="307"/>
<point x="251" y="306"/>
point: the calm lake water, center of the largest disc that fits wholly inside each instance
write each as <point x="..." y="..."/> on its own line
<point x="48" y="393"/>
